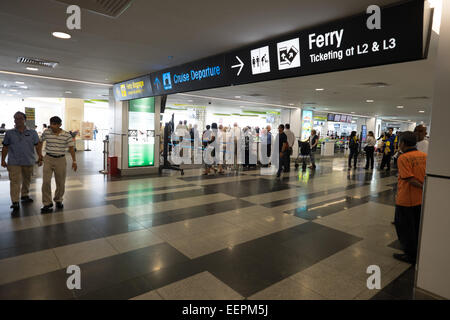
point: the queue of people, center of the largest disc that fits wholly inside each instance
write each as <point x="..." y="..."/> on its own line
<point x="18" y="155"/>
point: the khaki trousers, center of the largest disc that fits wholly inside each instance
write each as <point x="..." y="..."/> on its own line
<point x="19" y="176"/>
<point x="57" y="166"/>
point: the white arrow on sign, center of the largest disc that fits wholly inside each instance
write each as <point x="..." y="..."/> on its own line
<point x="240" y="65"/>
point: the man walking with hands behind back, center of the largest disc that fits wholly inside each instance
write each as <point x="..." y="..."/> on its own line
<point x="19" y="145"/>
<point x="58" y="141"/>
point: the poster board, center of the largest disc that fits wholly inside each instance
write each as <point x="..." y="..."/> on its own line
<point x="87" y="130"/>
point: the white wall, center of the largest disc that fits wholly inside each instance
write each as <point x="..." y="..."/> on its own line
<point x="433" y="267"/>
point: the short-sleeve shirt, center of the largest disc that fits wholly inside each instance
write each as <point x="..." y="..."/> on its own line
<point x="313" y="140"/>
<point x="21" y="147"/>
<point x="410" y="164"/>
<point x="282" y="138"/>
<point x="57" y="144"/>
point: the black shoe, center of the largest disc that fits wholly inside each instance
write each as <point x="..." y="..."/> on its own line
<point x="59" y="205"/>
<point x="404" y="258"/>
<point x="26" y="199"/>
<point x="47" y="208"/>
<point x="15" y="206"/>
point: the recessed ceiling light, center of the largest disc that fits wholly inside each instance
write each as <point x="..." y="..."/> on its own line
<point x="237" y="97"/>
<point x="61" y="35"/>
<point x="68" y="91"/>
<point x="32" y="69"/>
<point x="400" y="107"/>
<point x="24" y="87"/>
<point x="320" y="89"/>
<point x="20" y="82"/>
<point x="421" y="111"/>
<point x="369" y="101"/>
<point x="13" y="90"/>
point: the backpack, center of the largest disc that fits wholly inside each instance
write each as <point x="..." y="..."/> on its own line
<point x="353" y="145"/>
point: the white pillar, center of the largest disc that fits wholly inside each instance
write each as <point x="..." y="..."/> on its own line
<point x="433" y="264"/>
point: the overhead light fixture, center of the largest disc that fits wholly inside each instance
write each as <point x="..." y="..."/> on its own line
<point x="421" y="111"/>
<point x="291" y="104"/>
<point x="320" y="89"/>
<point x="52" y="78"/>
<point x="68" y="92"/>
<point x="32" y="69"/>
<point x="61" y="35"/>
<point x="352" y="112"/>
<point x="20" y="82"/>
<point x="327" y="109"/>
<point x="237" y="97"/>
<point x="400" y="107"/>
<point x="369" y="101"/>
<point x="13" y="90"/>
<point x="190" y="100"/>
<point x="24" y="87"/>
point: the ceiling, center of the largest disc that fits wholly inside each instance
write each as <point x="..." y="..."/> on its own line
<point x="145" y="37"/>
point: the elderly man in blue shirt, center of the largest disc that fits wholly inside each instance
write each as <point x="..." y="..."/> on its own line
<point x="18" y="145"/>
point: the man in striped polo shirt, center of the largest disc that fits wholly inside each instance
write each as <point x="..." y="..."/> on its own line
<point x="57" y="141"/>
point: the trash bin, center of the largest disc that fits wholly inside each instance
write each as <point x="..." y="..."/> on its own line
<point x="112" y="166"/>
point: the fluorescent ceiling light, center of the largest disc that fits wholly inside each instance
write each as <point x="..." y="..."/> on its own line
<point x="421" y="111"/>
<point x="54" y="78"/>
<point x="320" y="89"/>
<point x="61" y="35"/>
<point x="13" y="90"/>
<point x="20" y="82"/>
<point x="68" y="92"/>
<point x="237" y="97"/>
<point x="400" y="107"/>
<point x="369" y="101"/>
<point x="24" y="87"/>
<point x="32" y="69"/>
<point x="291" y="104"/>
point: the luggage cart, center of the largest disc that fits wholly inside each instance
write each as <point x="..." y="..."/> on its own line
<point x="304" y="152"/>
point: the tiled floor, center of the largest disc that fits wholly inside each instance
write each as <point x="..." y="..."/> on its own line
<point x="309" y="235"/>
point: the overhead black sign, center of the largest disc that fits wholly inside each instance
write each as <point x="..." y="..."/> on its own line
<point x="341" y="45"/>
<point x="133" y="89"/>
<point x="206" y="73"/>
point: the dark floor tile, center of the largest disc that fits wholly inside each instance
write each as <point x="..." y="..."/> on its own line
<point x="136" y="190"/>
<point x="326" y="208"/>
<point x="123" y="291"/>
<point x="396" y="245"/>
<point x="402" y="288"/>
<point x="176" y="215"/>
<point x="321" y="243"/>
<point x="173" y="273"/>
<point x="210" y="177"/>
<point x="23" y="249"/>
<point x="383" y="296"/>
<point x="245" y="274"/>
<point x="152" y="258"/>
<point x="104" y="273"/>
<point x="23" y="238"/>
<point x="115" y="224"/>
<point x="141" y="200"/>
<point x="49" y="286"/>
<point x="242" y="189"/>
<point x="307" y="196"/>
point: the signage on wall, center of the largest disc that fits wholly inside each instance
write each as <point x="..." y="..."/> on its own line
<point x="341" y="45"/>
